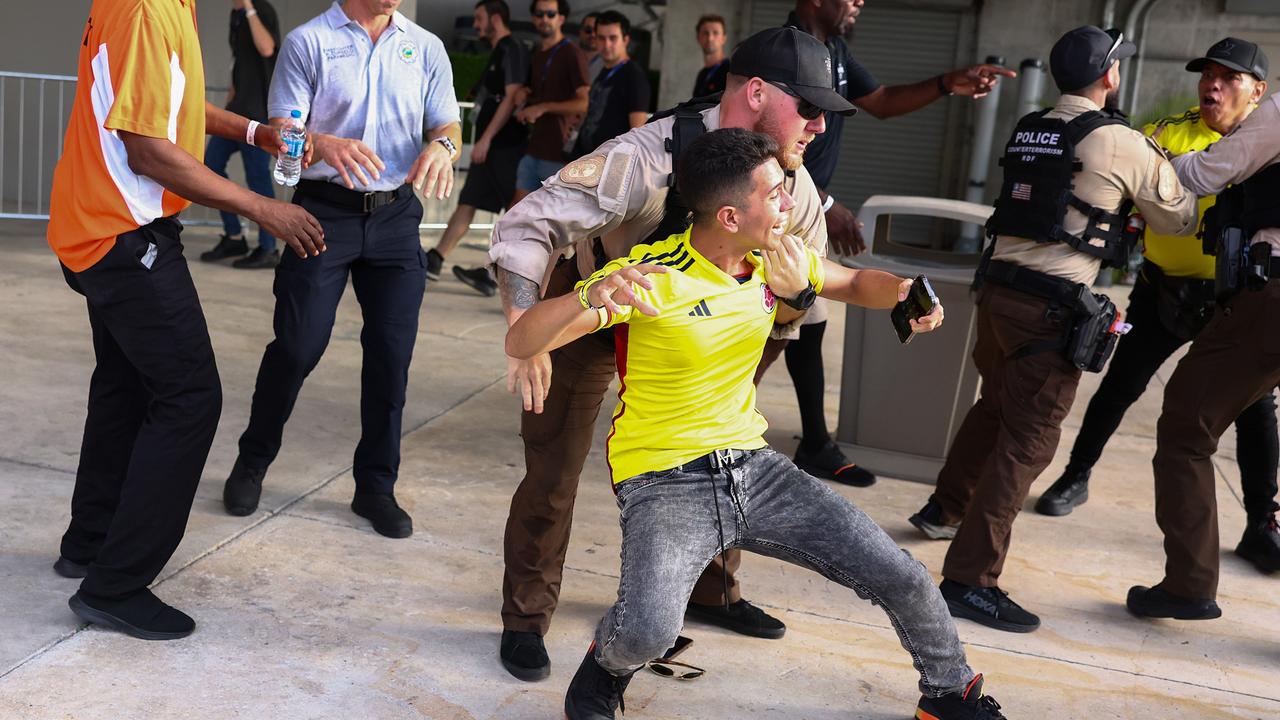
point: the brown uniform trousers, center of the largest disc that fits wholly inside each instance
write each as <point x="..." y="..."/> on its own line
<point x="556" y="444"/>
<point x="1234" y="361"/>
<point x="1010" y="434"/>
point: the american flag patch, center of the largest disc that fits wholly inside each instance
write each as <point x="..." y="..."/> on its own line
<point x="1021" y="191"/>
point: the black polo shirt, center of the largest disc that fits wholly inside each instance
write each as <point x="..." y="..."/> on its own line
<point x="250" y="72"/>
<point x="711" y="80"/>
<point x="508" y="65"/>
<point x="615" y="94"/>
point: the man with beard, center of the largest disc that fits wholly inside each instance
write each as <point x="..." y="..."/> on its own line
<point x="603" y="205"/>
<point x="1071" y="175"/>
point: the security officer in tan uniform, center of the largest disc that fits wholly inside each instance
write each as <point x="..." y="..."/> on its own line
<point x="1234" y="361"/>
<point x="602" y="205"/>
<point x="1071" y="175"/>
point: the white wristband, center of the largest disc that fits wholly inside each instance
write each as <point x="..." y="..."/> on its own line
<point x="249" y="135"/>
<point x="250" y="13"/>
<point x="826" y="205"/>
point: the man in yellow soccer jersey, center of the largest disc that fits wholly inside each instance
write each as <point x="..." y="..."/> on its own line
<point x="692" y="313"/>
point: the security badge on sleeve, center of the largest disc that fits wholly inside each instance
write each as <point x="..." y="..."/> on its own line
<point x="585" y="172"/>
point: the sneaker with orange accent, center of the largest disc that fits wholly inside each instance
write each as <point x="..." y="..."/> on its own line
<point x="970" y="704"/>
<point x="829" y="463"/>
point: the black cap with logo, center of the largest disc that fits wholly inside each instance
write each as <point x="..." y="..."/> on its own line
<point x="792" y="58"/>
<point x="1085" y="54"/>
<point x="1235" y="54"/>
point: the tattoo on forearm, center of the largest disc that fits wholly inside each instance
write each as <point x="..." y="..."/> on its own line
<point x="517" y="291"/>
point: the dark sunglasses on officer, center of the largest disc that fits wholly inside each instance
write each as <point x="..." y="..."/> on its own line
<point x="806" y="109"/>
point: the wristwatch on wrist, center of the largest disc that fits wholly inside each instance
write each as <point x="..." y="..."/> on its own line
<point x="448" y="145"/>
<point x="804" y="300"/>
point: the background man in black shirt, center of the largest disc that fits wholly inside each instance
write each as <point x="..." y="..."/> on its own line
<point x="619" y="98"/>
<point x="712" y="35"/>
<point x="255" y="36"/>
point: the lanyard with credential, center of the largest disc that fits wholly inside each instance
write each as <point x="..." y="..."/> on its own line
<point x="612" y="70"/>
<point x="546" y="67"/>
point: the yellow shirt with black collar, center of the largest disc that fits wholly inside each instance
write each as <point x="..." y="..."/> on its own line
<point x="1181" y="255"/>
<point x="686" y="374"/>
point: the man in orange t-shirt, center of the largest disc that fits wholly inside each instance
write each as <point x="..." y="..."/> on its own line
<point x="132" y="161"/>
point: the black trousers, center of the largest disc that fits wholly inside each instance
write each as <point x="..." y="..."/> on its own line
<point x="382" y="254"/>
<point x="1138" y="355"/>
<point x="154" y="402"/>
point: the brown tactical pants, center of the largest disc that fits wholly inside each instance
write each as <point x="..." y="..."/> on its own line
<point x="1010" y="434"/>
<point x="1232" y="362"/>
<point x="556" y="444"/>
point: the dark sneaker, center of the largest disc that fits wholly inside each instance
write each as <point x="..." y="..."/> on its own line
<point x="435" y="263"/>
<point x="70" y="568"/>
<point x="987" y="606"/>
<point x="1065" y="494"/>
<point x="478" y="279"/>
<point x="226" y="247"/>
<point x="1157" y="602"/>
<point x="524" y="655"/>
<point x="595" y="693"/>
<point x="1260" y="544"/>
<point x="143" y="616"/>
<point x="381" y="510"/>
<point x="968" y="705"/>
<point x="929" y="521"/>
<point x="259" y="259"/>
<point x="243" y="489"/>
<point x="829" y="463"/>
<point x="741" y="617"/>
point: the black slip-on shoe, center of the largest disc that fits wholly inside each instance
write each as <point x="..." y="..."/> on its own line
<point x="435" y="263"/>
<point x="928" y="520"/>
<point x="477" y="279"/>
<point x="830" y="463"/>
<point x="259" y="259"/>
<point x="243" y="489"/>
<point x="143" y="616"/>
<point x="1156" y="602"/>
<point x="595" y="693"/>
<point x="226" y="247"/>
<point x="1065" y="494"/>
<point x="1260" y="544"/>
<point x="969" y="704"/>
<point x="741" y="617"/>
<point x="987" y="606"/>
<point x="70" y="568"/>
<point x="524" y="655"/>
<point x="381" y="510"/>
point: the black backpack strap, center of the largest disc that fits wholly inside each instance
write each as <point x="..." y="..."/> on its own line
<point x="688" y="126"/>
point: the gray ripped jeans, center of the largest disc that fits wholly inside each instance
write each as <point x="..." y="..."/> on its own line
<point x="769" y="506"/>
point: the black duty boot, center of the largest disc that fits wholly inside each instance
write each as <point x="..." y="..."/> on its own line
<point x="741" y="617"/>
<point x="435" y="263"/>
<point x="830" y="463"/>
<point x="1065" y="494"/>
<point x="259" y="259"/>
<point x="70" y="568"/>
<point x="1157" y="602"/>
<point x="243" y="489"/>
<point x="595" y="693"/>
<point x="970" y="704"/>
<point x="143" y="616"/>
<point x="1260" y="544"/>
<point x="524" y="655"/>
<point x="226" y="247"/>
<point x="928" y="520"/>
<point x="478" y="279"/>
<point x="384" y="513"/>
<point x="987" y="606"/>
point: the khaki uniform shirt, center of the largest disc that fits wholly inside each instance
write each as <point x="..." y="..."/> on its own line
<point x="1252" y="146"/>
<point x="618" y="193"/>
<point x="1119" y="163"/>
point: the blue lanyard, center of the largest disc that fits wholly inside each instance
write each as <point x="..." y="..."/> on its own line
<point x="613" y="70"/>
<point x="547" y="66"/>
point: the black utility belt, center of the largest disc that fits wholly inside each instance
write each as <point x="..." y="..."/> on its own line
<point x="1242" y="265"/>
<point x="354" y="200"/>
<point x="1184" y="305"/>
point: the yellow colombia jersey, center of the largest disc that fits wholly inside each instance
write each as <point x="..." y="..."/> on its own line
<point x="1181" y="256"/>
<point x="686" y="374"/>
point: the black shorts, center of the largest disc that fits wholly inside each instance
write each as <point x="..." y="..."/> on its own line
<point x="491" y="186"/>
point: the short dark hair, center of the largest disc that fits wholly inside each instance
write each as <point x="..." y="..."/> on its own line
<point x="715" y="169"/>
<point x="590" y="16"/>
<point x="613" y="17"/>
<point x="497" y="7"/>
<point x="711" y="18"/>
<point x="562" y="6"/>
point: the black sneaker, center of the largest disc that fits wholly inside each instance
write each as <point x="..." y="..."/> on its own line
<point x="1065" y="494"/>
<point x="259" y="259"/>
<point x="70" y="568"/>
<point x="226" y="247"/>
<point x="595" y="693"/>
<point x="970" y="704"/>
<point x="741" y="617"/>
<point x="829" y="463"/>
<point x="478" y="279"/>
<point x="928" y="520"/>
<point x="435" y="263"/>
<point x="143" y="616"/>
<point x="1157" y="602"/>
<point x="524" y="655"/>
<point x="381" y="510"/>
<point x="1260" y="544"/>
<point x="243" y="489"/>
<point x="987" y="606"/>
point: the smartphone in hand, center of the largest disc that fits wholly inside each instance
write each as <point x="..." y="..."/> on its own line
<point x="920" y="301"/>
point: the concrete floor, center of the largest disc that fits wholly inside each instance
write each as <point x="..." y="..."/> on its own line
<point x="304" y="612"/>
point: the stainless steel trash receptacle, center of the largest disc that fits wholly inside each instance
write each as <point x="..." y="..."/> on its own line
<point x="900" y="405"/>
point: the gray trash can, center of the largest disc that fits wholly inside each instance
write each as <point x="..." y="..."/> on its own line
<point x="900" y="405"/>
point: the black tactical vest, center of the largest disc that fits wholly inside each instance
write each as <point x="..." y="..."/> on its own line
<point x="688" y="126"/>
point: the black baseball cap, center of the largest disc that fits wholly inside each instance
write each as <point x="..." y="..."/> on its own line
<point x="1235" y="54"/>
<point x="793" y="58"/>
<point x="1085" y="54"/>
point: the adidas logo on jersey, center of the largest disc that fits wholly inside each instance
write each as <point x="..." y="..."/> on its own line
<point x="700" y="310"/>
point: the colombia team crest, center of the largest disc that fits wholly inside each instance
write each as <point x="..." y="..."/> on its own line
<point x="767" y="299"/>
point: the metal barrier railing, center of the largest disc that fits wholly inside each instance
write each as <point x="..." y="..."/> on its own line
<point x="34" y="109"/>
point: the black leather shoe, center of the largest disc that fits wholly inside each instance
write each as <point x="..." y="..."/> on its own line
<point x="524" y="655"/>
<point x="741" y="617"/>
<point x="226" y="247"/>
<point x="987" y="606"/>
<point x="477" y="279"/>
<point x="435" y="263"/>
<point x="830" y="463"/>
<point x="382" y="511"/>
<point x="70" y="568"/>
<point x="1065" y="494"/>
<point x="1260" y="544"/>
<point x="143" y="616"/>
<point x="1156" y="602"/>
<point x="259" y="259"/>
<point x="595" y="693"/>
<point x="243" y="489"/>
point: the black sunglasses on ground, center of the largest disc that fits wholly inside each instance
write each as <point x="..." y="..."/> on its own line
<point x="806" y="109"/>
<point x="660" y="667"/>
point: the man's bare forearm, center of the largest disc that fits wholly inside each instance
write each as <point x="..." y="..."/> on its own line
<point x="177" y="171"/>
<point x="224" y="123"/>
<point x="519" y="293"/>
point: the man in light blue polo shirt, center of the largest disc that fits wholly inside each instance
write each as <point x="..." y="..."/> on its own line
<point x="367" y="81"/>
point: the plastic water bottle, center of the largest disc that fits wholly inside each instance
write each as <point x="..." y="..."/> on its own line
<point x="289" y="164"/>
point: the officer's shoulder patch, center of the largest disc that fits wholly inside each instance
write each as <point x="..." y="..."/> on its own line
<point x="584" y="172"/>
<point x="1167" y="185"/>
